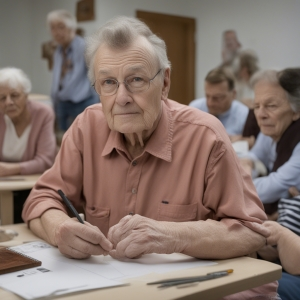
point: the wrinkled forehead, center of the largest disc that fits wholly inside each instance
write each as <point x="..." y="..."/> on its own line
<point x="139" y="51"/>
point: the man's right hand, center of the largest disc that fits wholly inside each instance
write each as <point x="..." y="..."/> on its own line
<point x="73" y="239"/>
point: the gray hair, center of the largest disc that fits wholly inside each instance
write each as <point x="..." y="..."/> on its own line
<point x="62" y="16"/>
<point x="288" y="79"/>
<point x="119" y="33"/>
<point x="15" y="78"/>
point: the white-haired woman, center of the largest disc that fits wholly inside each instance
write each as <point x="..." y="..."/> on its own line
<point x="27" y="140"/>
<point x="277" y="110"/>
<point x="71" y="90"/>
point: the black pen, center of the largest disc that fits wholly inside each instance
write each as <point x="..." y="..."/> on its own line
<point x="70" y="206"/>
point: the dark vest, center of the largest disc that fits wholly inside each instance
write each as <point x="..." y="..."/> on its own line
<point x="251" y="127"/>
<point x="284" y="150"/>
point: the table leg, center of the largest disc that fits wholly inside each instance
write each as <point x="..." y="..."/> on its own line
<point x="6" y="207"/>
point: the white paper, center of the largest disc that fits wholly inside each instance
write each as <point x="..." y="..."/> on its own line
<point x="60" y="275"/>
<point x="241" y="148"/>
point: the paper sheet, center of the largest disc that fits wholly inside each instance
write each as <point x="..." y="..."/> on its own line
<point x="60" y="275"/>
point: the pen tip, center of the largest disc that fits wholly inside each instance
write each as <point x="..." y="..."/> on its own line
<point x="230" y="271"/>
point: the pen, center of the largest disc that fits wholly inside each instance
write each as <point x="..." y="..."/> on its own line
<point x="184" y="280"/>
<point x="70" y="206"/>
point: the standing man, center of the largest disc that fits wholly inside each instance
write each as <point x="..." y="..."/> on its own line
<point x="219" y="101"/>
<point x="71" y="90"/>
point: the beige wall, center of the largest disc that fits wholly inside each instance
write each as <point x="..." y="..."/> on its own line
<point x="271" y="27"/>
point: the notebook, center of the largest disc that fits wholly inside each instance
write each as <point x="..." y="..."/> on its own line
<point x="11" y="261"/>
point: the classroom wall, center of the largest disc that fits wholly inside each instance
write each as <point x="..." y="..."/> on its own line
<point x="269" y="27"/>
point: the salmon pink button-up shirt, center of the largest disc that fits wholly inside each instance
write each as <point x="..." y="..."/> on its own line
<point x="187" y="172"/>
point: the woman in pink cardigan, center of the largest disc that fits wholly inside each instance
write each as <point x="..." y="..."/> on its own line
<point x="27" y="139"/>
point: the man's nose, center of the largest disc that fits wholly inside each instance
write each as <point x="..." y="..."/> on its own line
<point x="123" y="95"/>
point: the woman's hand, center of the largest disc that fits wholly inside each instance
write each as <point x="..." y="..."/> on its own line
<point x="9" y="169"/>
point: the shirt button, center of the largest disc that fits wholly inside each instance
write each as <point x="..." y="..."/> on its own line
<point x="134" y="163"/>
<point x="134" y="191"/>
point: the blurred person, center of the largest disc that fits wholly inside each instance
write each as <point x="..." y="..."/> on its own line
<point x="71" y="91"/>
<point x="220" y="101"/>
<point x="27" y="140"/>
<point x="161" y="177"/>
<point x="230" y="46"/>
<point x="245" y="65"/>
<point x="277" y="110"/>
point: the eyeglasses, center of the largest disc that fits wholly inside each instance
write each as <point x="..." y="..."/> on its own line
<point x="134" y="84"/>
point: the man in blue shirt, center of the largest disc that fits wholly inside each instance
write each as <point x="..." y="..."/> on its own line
<point x="71" y="91"/>
<point x="219" y="101"/>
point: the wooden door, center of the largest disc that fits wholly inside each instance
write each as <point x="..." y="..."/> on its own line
<point x="179" y="36"/>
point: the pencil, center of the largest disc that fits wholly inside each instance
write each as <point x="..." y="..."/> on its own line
<point x="70" y="206"/>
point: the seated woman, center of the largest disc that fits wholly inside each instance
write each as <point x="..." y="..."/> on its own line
<point x="27" y="140"/>
<point x="277" y="110"/>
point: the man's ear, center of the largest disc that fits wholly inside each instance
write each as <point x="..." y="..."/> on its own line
<point x="166" y="84"/>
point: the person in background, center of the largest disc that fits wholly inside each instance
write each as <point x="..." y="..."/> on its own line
<point x="230" y="46"/>
<point x="71" y="90"/>
<point x="277" y="110"/>
<point x="245" y="65"/>
<point x="220" y="101"/>
<point x="283" y="245"/>
<point x="27" y="140"/>
<point x="160" y="177"/>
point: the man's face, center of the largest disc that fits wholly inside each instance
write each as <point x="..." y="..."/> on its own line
<point x="218" y="97"/>
<point x="61" y="34"/>
<point x="128" y="112"/>
<point x="272" y="109"/>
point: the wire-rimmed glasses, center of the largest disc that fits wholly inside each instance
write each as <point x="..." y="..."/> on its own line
<point x="134" y="84"/>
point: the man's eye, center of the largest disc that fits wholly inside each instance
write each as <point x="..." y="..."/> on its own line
<point x="15" y="95"/>
<point x="108" y="82"/>
<point x="135" y="79"/>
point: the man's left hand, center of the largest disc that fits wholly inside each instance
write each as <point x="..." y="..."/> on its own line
<point x="135" y="235"/>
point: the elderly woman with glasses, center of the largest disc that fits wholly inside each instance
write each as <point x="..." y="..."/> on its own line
<point x="152" y="175"/>
<point x="277" y="110"/>
<point x="27" y="140"/>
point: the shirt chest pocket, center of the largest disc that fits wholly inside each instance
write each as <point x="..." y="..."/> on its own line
<point x="177" y="213"/>
<point x="98" y="216"/>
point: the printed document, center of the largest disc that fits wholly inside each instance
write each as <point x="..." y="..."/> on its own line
<point x="60" y="275"/>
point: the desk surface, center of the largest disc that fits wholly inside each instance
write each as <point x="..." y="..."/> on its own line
<point x="248" y="273"/>
<point x="19" y="182"/>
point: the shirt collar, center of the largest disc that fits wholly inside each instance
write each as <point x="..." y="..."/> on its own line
<point x="159" y="144"/>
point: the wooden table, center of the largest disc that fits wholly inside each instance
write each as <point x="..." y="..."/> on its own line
<point x="248" y="273"/>
<point x="7" y="186"/>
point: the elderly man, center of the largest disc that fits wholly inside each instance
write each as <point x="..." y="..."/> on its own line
<point x="219" y="101"/>
<point x="159" y="177"/>
<point x="71" y="91"/>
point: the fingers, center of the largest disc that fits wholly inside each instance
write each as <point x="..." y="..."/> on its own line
<point x="121" y="230"/>
<point x="80" y="241"/>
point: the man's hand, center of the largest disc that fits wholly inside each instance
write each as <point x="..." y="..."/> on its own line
<point x="79" y="241"/>
<point x="135" y="235"/>
<point x="9" y="169"/>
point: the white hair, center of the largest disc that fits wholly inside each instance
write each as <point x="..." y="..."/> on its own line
<point x="15" y="78"/>
<point x="119" y="33"/>
<point x="62" y="16"/>
<point x="279" y="78"/>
